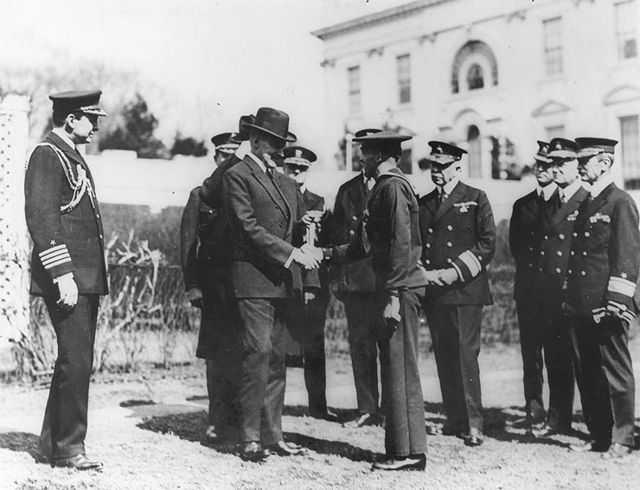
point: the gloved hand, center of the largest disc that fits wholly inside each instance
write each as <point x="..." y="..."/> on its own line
<point x="68" y="291"/>
<point x="391" y="317"/>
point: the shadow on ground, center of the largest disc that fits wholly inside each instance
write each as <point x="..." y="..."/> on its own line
<point x="21" y="442"/>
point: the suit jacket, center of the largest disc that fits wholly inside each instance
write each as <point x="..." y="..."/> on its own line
<point x="459" y="233"/>
<point x="605" y="252"/>
<point x="555" y="245"/>
<point x="261" y="218"/>
<point x="393" y="234"/>
<point x="347" y="218"/>
<point x="531" y="214"/>
<point x="63" y="242"/>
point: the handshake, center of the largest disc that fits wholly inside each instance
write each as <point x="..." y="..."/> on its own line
<point x="308" y="256"/>
<point x="440" y="277"/>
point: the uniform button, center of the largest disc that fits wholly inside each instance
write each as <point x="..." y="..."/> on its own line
<point x="583" y="273"/>
<point x="449" y="261"/>
<point x="546" y="237"/>
<point x="449" y="227"/>
<point x="427" y="261"/>
<point x="561" y="236"/>
<point x="558" y="270"/>
<point x="572" y="252"/>
<point x="575" y="234"/>
<point x="354" y="218"/>
<point x="584" y="253"/>
<point x="351" y="232"/>
<point x="98" y="216"/>
<point x="449" y="244"/>
<point x="430" y="230"/>
<point x="428" y="245"/>
<point x="541" y="252"/>
<point x="530" y="249"/>
<point x="559" y="253"/>
<point x="587" y="234"/>
<point x="530" y="265"/>
<point x="101" y="237"/>
<point x="570" y="271"/>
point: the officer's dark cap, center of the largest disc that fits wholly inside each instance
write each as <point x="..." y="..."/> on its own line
<point x="444" y="153"/>
<point x="543" y="151"/>
<point x="226" y="142"/>
<point x="299" y="155"/>
<point x="364" y="132"/>
<point x="85" y="101"/>
<point x="382" y="140"/>
<point x="563" y="149"/>
<point x="588" y="147"/>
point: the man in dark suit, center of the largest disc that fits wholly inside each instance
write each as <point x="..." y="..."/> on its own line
<point x="530" y="215"/>
<point x="458" y="234"/>
<point x="602" y="278"/>
<point x="306" y="321"/>
<point x="555" y="247"/>
<point x="205" y="268"/>
<point x="354" y="285"/>
<point x="68" y="268"/>
<point x="263" y="206"/>
<point x="391" y="237"/>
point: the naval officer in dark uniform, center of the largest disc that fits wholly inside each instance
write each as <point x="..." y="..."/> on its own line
<point x="68" y="268"/>
<point x="602" y="278"/>
<point x="354" y="285"/>
<point x="205" y="269"/>
<point x="305" y="320"/>
<point x="550" y="280"/>
<point x="458" y="236"/>
<point x="392" y="238"/>
<point x="530" y="213"/>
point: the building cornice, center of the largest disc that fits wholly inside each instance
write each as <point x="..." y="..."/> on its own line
<point x="382" y="17"/>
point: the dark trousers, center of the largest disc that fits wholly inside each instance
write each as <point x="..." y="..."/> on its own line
<point x="609" y="384"/>
<point x="306" y="326"/>
<point x="363" y="316"/>
<point x="263" y="372"/>
<point x="544" y="331"/>
<point x="455" y="332"/>
<point x="403" y="408"/>
<point x="65" y="419"/>
<point x="219" y="344"/>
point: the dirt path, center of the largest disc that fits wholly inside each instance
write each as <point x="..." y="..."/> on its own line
<point x="158" y="446"/>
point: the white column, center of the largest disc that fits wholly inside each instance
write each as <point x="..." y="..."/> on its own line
<point x="14" y="243"/>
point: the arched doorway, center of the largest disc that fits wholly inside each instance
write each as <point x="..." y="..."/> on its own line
<point x="475" y="152"/>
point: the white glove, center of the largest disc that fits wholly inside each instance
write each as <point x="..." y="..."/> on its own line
<point x="68" y="291"/>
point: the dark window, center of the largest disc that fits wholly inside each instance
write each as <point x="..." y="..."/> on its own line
<point x="475" y="77"/>
<point x="354" y="89"/>
<point x="626" y="29"/>
<point x="630" y="132"/>
<point x="553" y="46"/>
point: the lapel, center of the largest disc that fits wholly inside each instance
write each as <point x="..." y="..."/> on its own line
<point x="447" y="204"/>
<point x="358" y="194"/>
<point x="531" y="203"/>
<point x="263" y="179"/>
<point x="570" y="206"/>
<point x="551" y="206"/>
<point x="430" y="203"/>
<point x="599" y="201"/>
<point x="281" y="186"/>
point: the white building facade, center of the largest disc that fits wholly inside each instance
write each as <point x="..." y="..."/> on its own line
<point x="492" y="76"/>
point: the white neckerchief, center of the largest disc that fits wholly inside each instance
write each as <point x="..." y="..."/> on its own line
<point x="598" y="186"/>
<point x="570" y="190"/>
<point x="546" y="191"/>
<point x="62" y="134"/>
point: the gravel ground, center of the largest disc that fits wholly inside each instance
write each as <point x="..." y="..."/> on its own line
<point x="157" y="445"/>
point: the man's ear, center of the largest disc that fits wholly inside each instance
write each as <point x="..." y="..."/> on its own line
<point x="70" y="122"/>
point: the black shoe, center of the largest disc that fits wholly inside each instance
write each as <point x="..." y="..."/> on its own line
<point x="411" y="463"/>
<point x="282" y="448"/>
<point x="78" y="462"/>
<point x="595" y="446"/>
<point x="473" y="438"/>
<point x="617" y="451"/>
<point x="361" y="421"/>
<point x="253" y="452"/>
<point x="326" y="415"/>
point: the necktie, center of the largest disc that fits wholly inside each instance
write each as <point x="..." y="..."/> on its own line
<point x="561" y="196"/>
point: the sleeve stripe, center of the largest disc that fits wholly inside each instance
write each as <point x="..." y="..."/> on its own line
<point x="54" y="256"/>
<point x="45" y="253"/>
<point x="63" y="257"/>
<point x="621" y="286"/>
<point x="472" y="262"/>
<point x="61" y="261"/>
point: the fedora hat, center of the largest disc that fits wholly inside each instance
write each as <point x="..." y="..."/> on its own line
<point x="273" y="122"/>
